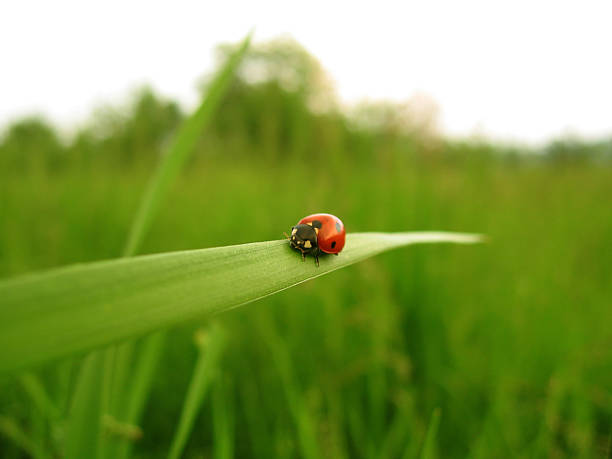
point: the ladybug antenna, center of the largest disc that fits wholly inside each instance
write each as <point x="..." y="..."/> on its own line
<point x="287" y="236"/>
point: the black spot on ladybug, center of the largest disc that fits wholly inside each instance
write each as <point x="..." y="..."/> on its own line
<point x="338" y="227"/>
<point x="334" y="243"/>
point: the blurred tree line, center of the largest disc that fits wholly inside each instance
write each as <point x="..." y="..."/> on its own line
<point x="281" y="107"/>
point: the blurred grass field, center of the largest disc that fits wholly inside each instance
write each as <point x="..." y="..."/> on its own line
<point x="511" y="340"/>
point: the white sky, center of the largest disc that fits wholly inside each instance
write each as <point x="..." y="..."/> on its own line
<point x="515" y="70"/>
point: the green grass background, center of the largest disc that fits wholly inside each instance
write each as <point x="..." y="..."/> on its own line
<point x="508" y="345"/>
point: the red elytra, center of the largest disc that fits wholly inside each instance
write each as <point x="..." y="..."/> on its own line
<point x="331" y="236"/>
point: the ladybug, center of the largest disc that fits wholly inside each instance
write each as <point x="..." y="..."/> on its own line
<point x="318" y="233"/>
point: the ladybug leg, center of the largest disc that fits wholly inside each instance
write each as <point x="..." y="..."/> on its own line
<point x="336" y="254"/>
<point x="303" y="256"/>
<point x="316" y="257"/>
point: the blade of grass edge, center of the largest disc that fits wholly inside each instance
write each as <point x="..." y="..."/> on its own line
<point x="81" y="307"/>
<point x="169" y="168"/>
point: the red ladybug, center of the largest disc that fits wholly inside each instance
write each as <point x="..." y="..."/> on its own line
<point x="318" y="233"/>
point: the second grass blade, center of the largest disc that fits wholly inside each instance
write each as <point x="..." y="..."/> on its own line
<point x="180" y="150"/>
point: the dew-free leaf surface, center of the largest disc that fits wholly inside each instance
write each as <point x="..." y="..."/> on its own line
<point x="78" y="308"/>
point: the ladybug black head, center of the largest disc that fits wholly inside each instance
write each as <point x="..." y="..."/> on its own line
<point x="303" y="238"/>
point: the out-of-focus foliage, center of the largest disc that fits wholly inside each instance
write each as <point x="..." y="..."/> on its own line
<point x="284" y="62"/>
<point x="282" y="106"/>
<point x="507" y="345"/>
<point x="574" y="151"/>
<point x="31" y="144"/>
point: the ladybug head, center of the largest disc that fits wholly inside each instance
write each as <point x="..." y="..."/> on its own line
<point x="304" y="238"/>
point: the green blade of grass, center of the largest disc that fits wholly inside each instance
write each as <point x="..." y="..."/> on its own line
<point x="429" y="445"/>
<point x="223" y="412"/>
<point x="180" y="150"/>
<point x="305" y="423"/>
<point x="78" y="308"/>
<point x="210" y="347"/>
<point x="38" y="394"/>
<point x="84" y="441"/>
<point x="12" y="431"/>
<point x="142" y="380"/>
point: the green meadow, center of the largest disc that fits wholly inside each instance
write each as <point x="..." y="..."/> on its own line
<point x="501" y="349"/>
